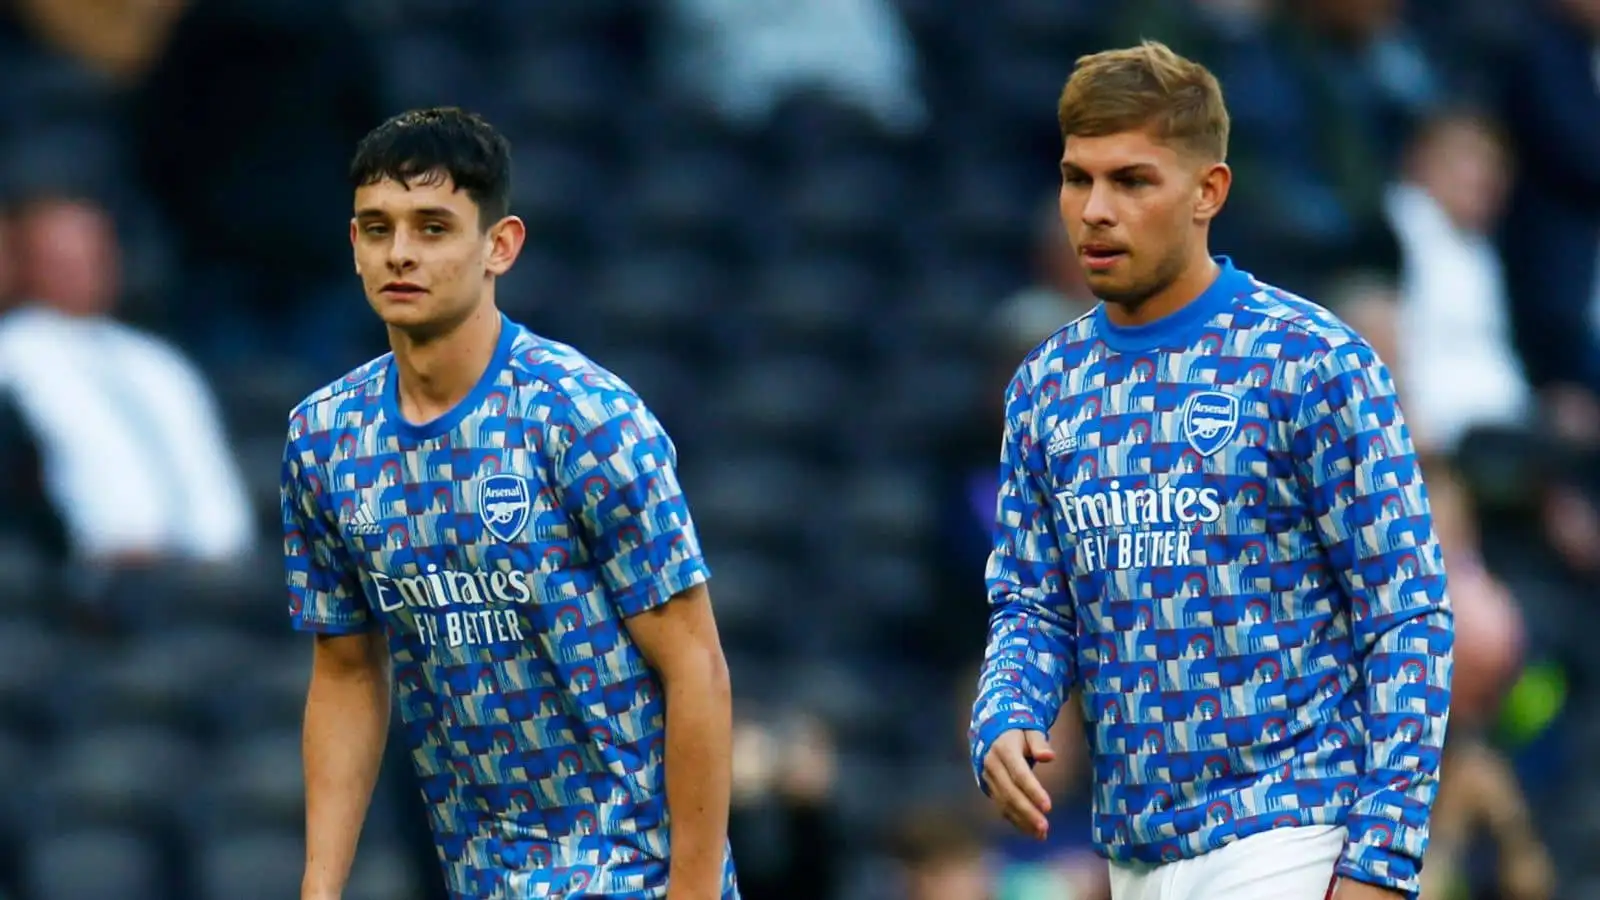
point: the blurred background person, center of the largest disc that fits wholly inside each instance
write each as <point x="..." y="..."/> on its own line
<point x="811" y="239"/>
<point x="133" y="453"/>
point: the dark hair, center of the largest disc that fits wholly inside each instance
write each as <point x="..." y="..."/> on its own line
<point x="426" y="146"/>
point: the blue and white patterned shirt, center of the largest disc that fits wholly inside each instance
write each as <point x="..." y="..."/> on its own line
<point x="500" y="549"/>
<point x="1216" y="527"/>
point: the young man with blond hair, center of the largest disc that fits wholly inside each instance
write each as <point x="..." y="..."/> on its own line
<point x="1211" y="521"/>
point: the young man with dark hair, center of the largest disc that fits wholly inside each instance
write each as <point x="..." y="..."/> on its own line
<point x="493" y="523"/>
<point x="1211" y="521"/>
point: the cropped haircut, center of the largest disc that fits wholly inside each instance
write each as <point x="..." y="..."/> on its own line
<point x="426" y="146"/>
<point x="1146" y="87"/>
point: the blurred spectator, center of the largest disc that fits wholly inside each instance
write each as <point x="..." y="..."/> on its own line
<point x="746" y="56"/>
<point x="1370" y="303"/>
<point x="1456" y="356"/>
<point x="941" y="857"/>
<point x="1479" y="795"/>
<point x="1551" y="237"/>
<point x="134" y="455"/>
<point x="118" y="37"/>
<point x="783" y="820"/>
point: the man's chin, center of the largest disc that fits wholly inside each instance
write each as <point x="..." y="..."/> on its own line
<point x="1118" y="291"/>
<point x="404" y="314"/>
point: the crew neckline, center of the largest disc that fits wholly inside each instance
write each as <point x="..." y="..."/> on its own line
<point x="474" y="398"/>
<point x="1169" y="329"/>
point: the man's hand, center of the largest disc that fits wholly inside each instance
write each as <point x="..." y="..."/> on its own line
<point x="1356" y="890"/>
<point x="1008" y="773"/>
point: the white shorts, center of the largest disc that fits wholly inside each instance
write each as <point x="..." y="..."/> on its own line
<point x="1282" y="864"/>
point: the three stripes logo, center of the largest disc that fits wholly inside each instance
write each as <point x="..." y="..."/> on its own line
<point x="362" y="524"/>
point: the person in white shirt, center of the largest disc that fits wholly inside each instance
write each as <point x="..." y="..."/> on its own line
<point x="132" y="448"/>
<point x="1457" y="364"/>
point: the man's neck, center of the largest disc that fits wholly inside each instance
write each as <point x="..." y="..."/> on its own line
<point x="1194" y="281"/>
<point x="439" y="372"/>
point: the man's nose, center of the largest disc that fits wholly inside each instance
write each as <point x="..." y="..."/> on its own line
<point x="1097" y="209"/>
<point x="402" y="252"/>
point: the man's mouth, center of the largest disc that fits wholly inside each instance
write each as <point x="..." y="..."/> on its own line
<point x="1098" y="257"/>
<point x="403" y="289"/>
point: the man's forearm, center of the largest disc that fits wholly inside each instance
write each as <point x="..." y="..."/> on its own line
<point x="346" y="725"/>
<point x="1026" y="675"/>
<point x="1407" y="671"/>
<point x="699" y="770"/>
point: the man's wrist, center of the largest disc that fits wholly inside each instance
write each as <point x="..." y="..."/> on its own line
<point x="686" y="885"/>
<point x="316" y="889"/>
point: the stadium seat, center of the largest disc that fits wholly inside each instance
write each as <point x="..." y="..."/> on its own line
<point x="733" y="500"/>
<point x="947" y="307"/>
<point x="95" y="863"/>
<point x="886" y="507"/>
<point x="384" y="871"/>
<point x="160" y="678"/>
<point x="252" y="782"/>
<point x="869" y="597"/>
<point x="821" y="303"/>
<point x="268" y="694"/>
<point x="743" y="587"/>
<point x="27" y="585"/>
<point x="256" y="400"/>
<point x="247" y="596"/>
<point x="808" y="128"/>
<point x="567" y="87"/>
<point x="140" y="684"/>
<point x="116" y="775"/>
<point x="913" y="407"/>
<point x="249" y="864"/>
<point x="539" y="291"/>
<point x="33" y="669"/>
<point x="851" y="202"/>
<point x="19" y="764"/>
<point x="981" y="195"/>
<point x="1049" y="24"/>
<point x="853" y="707"/>
<point x="789" y="402"/>
<point x="425" y="68"/>
<point x="557" y="188"/>
<point x="692" y="197"/>
<point x="656" y="295"/>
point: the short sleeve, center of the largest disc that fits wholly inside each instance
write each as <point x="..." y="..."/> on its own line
<point x="617" y="471"/>
<point x="325" y="595"/>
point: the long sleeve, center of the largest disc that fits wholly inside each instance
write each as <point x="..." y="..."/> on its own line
<point x="1029" y="665"/>
<point x="1366" y="496"/>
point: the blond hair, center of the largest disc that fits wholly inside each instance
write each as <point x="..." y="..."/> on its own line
<point x="1148" y="86"/>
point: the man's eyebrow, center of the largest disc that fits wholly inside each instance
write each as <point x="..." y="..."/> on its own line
<point x="427" y="212"/>
<point x="1137" y="168"/>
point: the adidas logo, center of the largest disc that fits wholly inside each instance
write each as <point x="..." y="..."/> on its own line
<point x="1063" y="441"/>
<point x="362" y="523"/>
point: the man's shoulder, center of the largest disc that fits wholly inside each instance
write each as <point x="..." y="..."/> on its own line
<point x="341" y="402"/>
<point x="1287" y="326"/>
<point x="557" y="378"/>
